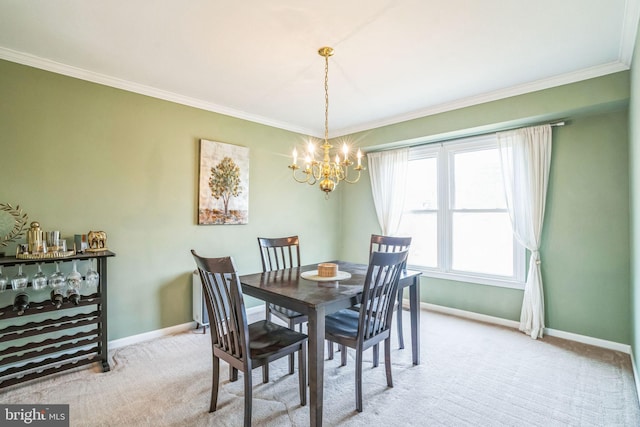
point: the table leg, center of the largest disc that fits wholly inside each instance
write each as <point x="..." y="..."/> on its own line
<point x="414" y="304"/>
<point x="316" y="366"/>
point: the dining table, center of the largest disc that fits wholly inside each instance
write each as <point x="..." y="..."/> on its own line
<point x="317" y="298"/>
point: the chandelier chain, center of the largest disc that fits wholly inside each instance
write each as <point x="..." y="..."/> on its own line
<point x="326" y="99"/>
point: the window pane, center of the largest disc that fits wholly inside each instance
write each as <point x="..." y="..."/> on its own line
<point x="422" y="184"/>
<point x="423" y="229"/>
<point x="482" y="243"/>
<point x="478" y="180"/>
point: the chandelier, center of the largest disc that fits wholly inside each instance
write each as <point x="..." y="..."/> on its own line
<point x="328" y="171"/>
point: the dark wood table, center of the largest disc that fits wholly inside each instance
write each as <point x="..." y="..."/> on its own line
<point x="316" y="300"/>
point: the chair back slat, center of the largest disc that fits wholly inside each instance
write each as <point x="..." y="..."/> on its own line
<point x="381" y="243"/>
<point x="379" y="294"/>
<point x="279" y="253"/>
<point x="225" y="304"/>
<point x="228" y="328"/>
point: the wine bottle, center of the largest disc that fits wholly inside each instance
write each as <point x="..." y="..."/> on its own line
<point x="21" y="303"/>
<point x="57" y="298"/>
<point x="73" y="295"/>
<point x="74" y="280"/>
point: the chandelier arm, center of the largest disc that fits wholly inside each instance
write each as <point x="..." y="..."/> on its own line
<point x="316" y="171"/>
<point x="301" y="180"/>
<point x="355" y="180"/>
<point x="312" y="179"/>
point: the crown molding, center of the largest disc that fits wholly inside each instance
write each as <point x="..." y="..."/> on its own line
<point x="79" y="73"/>
<point x="103" y="79"/>
<point x="584" y="74"/>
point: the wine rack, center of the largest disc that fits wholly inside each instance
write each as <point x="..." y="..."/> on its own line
<point x="45" y="340"/>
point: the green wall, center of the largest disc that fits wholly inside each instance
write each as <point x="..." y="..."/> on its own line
<point x="586" y="246"/>
<point x="78" y="156"/>
<point x="634" y="175"/>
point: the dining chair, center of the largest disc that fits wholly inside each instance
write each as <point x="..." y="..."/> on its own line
<point x="276" y="254"/>
<point x="243" y="346"/>
<point x="372" y="323"/>
<point x="380" y="243"/>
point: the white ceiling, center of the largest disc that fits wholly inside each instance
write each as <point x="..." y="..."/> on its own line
<point x="257" y="59"/>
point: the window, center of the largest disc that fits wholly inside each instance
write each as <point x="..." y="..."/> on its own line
<point x="456" y="212"/>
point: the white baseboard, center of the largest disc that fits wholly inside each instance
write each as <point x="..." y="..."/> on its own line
<point x="469" y="315"/>
<point x="597" y="342"/>
<point x="611" y="345"/>
<point x="258" y="312"/>
<point x="171" y="330"/>
<point x="146" y="336"/>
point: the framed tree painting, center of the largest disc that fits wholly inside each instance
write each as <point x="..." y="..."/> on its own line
<point x="224" y="183"/>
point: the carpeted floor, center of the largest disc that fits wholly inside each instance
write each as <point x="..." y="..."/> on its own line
<point x="472" y="374"/>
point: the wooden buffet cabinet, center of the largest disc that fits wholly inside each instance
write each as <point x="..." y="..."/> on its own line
<point x="47" y="340"/>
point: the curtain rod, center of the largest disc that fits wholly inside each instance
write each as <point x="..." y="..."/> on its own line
<point x="552" y="124"/>
<point x="559" y="123"/>
<point x="442" y="138"/>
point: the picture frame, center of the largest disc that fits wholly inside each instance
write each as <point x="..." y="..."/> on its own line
<point x="223" y="194"/>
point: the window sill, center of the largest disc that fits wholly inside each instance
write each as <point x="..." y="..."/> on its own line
<point x="468" y="278"/>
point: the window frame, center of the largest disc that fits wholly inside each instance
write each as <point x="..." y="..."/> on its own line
<point x="444" y="153"/>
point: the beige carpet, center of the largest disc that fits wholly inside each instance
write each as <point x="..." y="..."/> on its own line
<point x="472" y="374"/>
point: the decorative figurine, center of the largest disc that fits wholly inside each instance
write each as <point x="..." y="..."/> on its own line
<point x="97" y="241"/>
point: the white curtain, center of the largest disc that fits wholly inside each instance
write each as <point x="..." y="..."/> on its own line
<point x="388" y="172"/>
<point x="525" y="155"/>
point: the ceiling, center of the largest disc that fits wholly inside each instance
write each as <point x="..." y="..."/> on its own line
<point x="258" y="60"/>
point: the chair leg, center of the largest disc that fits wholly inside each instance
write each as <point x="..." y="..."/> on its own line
<point x="387" y="361"/>
<point x="214" y="384"/>
<point x="233" y="374"/>
<point x="292" y="356"/>
<point x="302" y="373"/>
<point x="359" y="380"/>
<point x="343" y="355"/>
<point x="330" y="346"/>
<point x="265" y="367"/>
<point x="399" y="316"/>
<point x="248" y="388"/>
<point x="376" y="355"/>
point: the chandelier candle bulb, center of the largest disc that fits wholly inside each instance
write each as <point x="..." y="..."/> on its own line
<point x="295" y="157"/>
